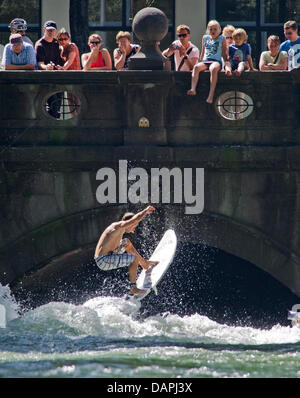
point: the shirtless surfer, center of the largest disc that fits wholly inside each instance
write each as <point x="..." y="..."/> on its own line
<point x="112" y="251"/>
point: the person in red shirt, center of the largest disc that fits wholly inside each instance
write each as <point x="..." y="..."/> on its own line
<point x="97" y="59"/>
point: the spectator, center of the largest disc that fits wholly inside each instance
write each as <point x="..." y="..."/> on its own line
<point x="239" y="54"/>
<point x="69" y="51"/>
<point x="227" y="33"/>
<point x="97" y="59"/>
<point x="47" y="49"/>
<point x="273" y="59"/>
<point x="124" y="51"/>
<point x="213" y="50"/>
<point x="185" y="53"/>
<point x="292" y="44"/>
<point x="19" y="25"/>
<point x="18" y="55"/>
<point x="48" y="58"/>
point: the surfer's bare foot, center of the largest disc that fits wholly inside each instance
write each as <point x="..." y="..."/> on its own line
<point x="191" y="92"/>
<point x="149" y="264"/>
<point x="135" y="290"/>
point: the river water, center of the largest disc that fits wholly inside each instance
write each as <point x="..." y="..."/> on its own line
<point x="106" y="338"/>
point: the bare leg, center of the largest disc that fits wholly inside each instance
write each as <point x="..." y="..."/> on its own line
<point x="214" y="70"/>
<point x="240" y="69"/>
<point x="228" y="70"/>
<point x="195" y="77"/>
<point x="132" y="270"/>
<point x="144" y="263"/>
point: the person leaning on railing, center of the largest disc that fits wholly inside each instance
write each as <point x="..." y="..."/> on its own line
<point x="69" y="51"/>
<point x="124" y="51"/>
<point x="97" y="59"/>
<point x="273" y="59"/>
<point x="18" y="55"/>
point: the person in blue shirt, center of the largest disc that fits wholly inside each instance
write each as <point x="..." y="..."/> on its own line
<point x="18" y="55"/>
<point x="292" y="44"/>
<point x="213" y="53"/>
<point x="239" y="54"/>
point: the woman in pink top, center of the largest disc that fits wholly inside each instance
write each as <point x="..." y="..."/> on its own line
<point x="97" y="59"/>
<point x="69" y="51"/>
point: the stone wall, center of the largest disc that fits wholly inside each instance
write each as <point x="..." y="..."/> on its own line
<point x="48" y="166"/>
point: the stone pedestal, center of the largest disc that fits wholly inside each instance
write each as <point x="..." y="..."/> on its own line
<point x="150" y="25"/>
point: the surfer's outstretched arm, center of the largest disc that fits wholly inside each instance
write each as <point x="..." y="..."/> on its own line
<point x="137" y="217"/>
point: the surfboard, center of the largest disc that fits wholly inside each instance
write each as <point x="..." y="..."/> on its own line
<point x="164" y="253"/>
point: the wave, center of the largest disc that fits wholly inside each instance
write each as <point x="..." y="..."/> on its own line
<point x="8" y="302"/>
<point x="118" y="319"/>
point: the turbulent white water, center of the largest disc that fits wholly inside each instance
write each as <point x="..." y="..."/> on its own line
<point x="8" y="302"/>
<point x="106" y="337"/>
<point x="112" y="317"/>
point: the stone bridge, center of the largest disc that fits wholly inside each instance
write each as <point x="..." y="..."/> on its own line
<point x="50" y="219"/>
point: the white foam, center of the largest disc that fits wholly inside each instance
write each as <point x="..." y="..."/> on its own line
<point x="11" y="307"/>
<point x="117" y="318"/>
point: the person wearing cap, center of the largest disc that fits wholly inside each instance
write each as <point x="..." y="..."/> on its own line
<point x="47" y="49"/>
<point x="19" y="25"/>
<point x="49" y="58"/>
<point x="18" y="55"/>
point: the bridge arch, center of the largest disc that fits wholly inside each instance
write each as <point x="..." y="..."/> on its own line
<point x="54" y="249"/>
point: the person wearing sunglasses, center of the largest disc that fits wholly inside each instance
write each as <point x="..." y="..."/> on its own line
<point x="186" y="54"/>
<point x="292" y="44"/>
<point x="227" y="32"/>
<point x="96" y="59"/>
<point x="69" y="51"/>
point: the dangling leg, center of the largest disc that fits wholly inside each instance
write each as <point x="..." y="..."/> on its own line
<point x="240" y="69"/>
<point x="228" y="69"/>
<point x="214" y="70"/>
<point x="195" y="77"/>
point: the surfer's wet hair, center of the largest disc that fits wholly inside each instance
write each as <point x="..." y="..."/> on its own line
<point x="127" y="216"/>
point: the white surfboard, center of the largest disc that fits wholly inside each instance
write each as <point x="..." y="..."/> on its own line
<point x="164" y="253"/>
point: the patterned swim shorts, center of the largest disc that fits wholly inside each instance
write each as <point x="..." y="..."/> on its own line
<point x="108" y="262"/>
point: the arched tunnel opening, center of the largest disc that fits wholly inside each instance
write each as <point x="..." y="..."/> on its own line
<point x="201" y="279"/>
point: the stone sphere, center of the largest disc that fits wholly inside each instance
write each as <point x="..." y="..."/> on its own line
<point x="150" y="24"/>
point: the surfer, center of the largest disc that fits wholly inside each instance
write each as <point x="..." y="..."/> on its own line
<point x="113" y="251"/>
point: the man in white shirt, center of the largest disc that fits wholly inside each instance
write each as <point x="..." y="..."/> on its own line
<point x="186" y="54"/>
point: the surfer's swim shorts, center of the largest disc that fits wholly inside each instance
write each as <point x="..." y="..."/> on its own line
<point x="108" y="262"/>
<point x="117" y="259"/>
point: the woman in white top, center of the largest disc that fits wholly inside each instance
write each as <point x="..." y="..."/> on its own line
<point x="273" y="59"/>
